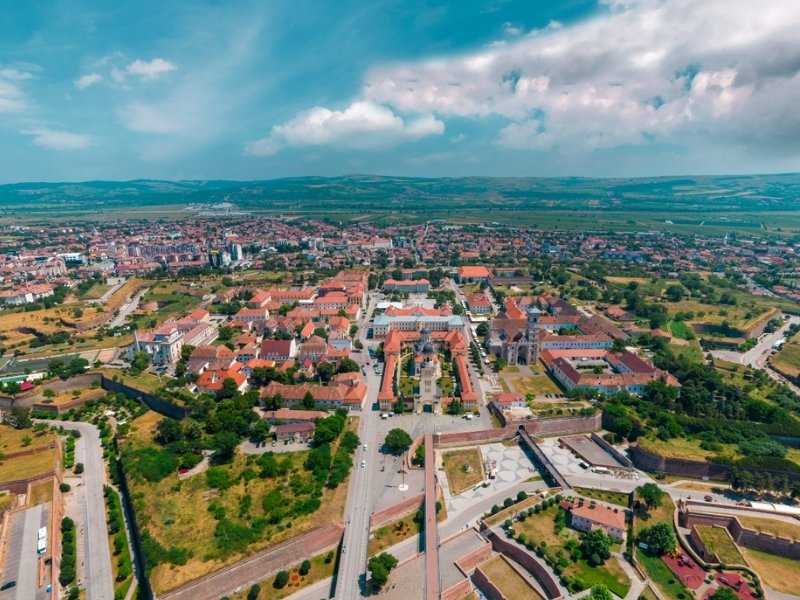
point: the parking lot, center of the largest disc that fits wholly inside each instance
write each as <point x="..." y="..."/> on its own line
<point x="22" y="561"/>
<point x="569" y="465"/>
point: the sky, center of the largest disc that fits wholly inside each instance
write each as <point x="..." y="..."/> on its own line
<point x="259" y="90"/>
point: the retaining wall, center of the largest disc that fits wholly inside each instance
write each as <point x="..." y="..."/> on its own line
<point x="692" y="468"/>
<point x="618" y="456"/>
<point x="487" y="587"/>
<point x="521" y="556"/>
<point x="387" y="515"/>
<point x="748" y="538"/>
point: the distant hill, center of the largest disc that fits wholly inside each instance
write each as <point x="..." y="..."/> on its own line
<point x="366" y="193"/>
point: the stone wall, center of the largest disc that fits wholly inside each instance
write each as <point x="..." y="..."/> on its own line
<point x="694" y="469"/>
<point x="387" y="515"/>
<point x="520" y="555"/>
<point x="487" y="587"/>
<point x="747" y="538"/>
<point x="457" y="591"/>
<point x="155" y="403"/>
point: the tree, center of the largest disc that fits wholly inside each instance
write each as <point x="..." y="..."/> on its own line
<point x="455" y="408"/>
<point x="305" y="567"/>
<point x="723" y="593"/>
<point x="254" y="592"/>
<point x="141" y="360"/>
<point x="651" y="494"/>
<point x="325" y="370"/>
<point x="674" y="293"/>
<point x="397" y="441"/>
<point x="229" y="388"/>
<point x="419" y="455"/>
<point x="597" y="546"/>
<point x="169" y="430"/>
<point x="281" y="579"/>
<point x="224" y="444"/>
<point x="20" y="418"/>
<point x="308" y="401"/>
<point x="78" y="468"/>
<point x="600" y="592"/>
<point x="379" y="567"/>
<point x="659" y="538"/>
<point x="348" y="365"/>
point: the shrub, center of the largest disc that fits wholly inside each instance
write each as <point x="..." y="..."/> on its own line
<point x="78" y="468"/>
<point x="281" y="579"/>
<point x="305" y="567"/>
<point x="64" y="488"/>
<point x="254" y="592"/>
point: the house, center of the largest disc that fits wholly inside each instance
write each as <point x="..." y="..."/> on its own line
<point x="590" y="515"/>
<point x="295" y="432"/>
<point x="256" y="317"/>
<point x="473" y="274"/>
<point x="212" y="382"/>
<point x="415" y="286"/>
<point x="345" y="390"/>
<point x="479" y="304"/>
<point x="278" y="350"/>
<point x="509" y="401"/>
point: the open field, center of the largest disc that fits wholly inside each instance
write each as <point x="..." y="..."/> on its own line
<point x="392" y="533"/>
<point x="541" y="528"/>
<point x="31" y="465"/>
<point x="537" y="385"/>
<point x="779" y="573"/>
<point x="771" y="526"/>
<point x="41" y="492"/>
<point x="507" y="580"/>
<point x="685" y="448"/>
<point x="617" y="498"/>
<point x="787" y="360"/>
<point x="12" y="440"/>
<point x="718" y="541"/>
<point x="464" y="469"/>
<point x="660" y="514"/>
<point x="178" y="514"/>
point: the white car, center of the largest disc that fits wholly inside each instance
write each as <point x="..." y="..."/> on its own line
<point x="365" y="446"/>
<point x="363" y="463"/>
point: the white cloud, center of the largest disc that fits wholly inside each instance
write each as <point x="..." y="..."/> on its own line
<point x="148" y="118"/>
<point x="15" y="74"/>
<point x="58" y="140"/>
<point x="363" y="124"/>
<point x="152" y="69"/>
<point x="85" y="81"/>
<point x="645" y="69"/>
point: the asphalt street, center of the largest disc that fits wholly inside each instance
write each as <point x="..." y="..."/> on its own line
<point x="127" y="309"/>
<point x="91" y="517"/>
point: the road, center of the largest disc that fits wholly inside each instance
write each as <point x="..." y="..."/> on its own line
<point x="757" y="356"/>
<point x="92" y="511"/>
<point x="351" y="577"/>
<point x="127" y="309"/>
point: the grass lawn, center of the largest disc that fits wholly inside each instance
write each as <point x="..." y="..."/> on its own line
<point x="145" y="381"/>
<point x="609" y="573"/>
<point x="660" y="575"/>
<point x="648" y="594"/>
<point x="541" y="528"/>
<point x="537" y="385"/>
<point x="96" y="291"/>
<point x="685" y="448"/>
<point x="719" y="542"/>
<point x="788" y="359"/>
<point x="661" y="514"/>
<point x="509" y="512"/>
<point x="41" y="492"/>
<point x="393" y="533"/>
<point x="464" y="469"/>
<point x="690" y="350"/>
<point x="319" y="570"/>
<point x="618" y="498"/>
<point x="24" y="467"/>
<point x="510" y="369"/>
<point x="507" y="580"/>
<point x="176" y="513"/>
<point x="779" y="573"/>
<point x="11" y="439"/>
<point x="680" y="330"/>
<point x="772" y="526"/>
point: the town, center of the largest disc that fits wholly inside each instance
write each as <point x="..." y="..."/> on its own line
<point x="273" y="407"/>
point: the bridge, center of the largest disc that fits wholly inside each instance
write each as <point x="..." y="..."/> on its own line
<point x="542" y="462"/>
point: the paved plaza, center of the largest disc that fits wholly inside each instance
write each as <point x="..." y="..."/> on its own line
<point x="514" y="469"/>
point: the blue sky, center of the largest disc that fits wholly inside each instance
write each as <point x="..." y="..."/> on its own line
<point x="250" y="90"/>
